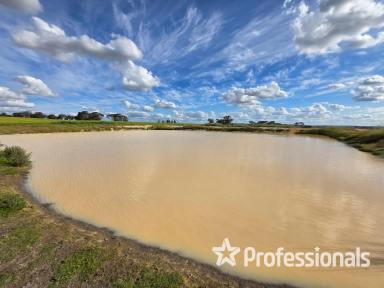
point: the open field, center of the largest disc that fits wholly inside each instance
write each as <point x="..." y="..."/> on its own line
<point x="14" y="125"/>
<point x="39" y="248"/>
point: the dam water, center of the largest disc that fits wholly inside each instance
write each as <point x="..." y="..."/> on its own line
<point x="186" y="191"/>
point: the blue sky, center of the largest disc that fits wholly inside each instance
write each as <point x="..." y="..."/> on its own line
<point x="320" y="62"/>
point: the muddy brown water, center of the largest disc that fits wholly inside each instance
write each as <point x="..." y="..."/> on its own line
<point x="186" y="191"/>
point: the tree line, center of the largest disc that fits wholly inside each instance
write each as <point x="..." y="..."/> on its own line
<point x="82" y="115"/>
<point x="226" y="120"/>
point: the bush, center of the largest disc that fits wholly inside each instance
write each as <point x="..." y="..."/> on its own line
<point x="17" y="156"/>
<point x="10" y="203"/>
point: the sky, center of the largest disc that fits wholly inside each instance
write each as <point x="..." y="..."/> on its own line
<point x="317" y="62"/>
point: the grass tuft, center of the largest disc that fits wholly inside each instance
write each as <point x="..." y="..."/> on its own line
<point x="16" y="156"/>
<point x="80" y="266"/>
<point x="10" y="203"/>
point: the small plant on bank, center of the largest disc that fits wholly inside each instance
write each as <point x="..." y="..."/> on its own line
<point x="16" y="156"/>
<point x="10" y="203"/>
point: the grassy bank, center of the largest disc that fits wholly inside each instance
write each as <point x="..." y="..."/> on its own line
<point x="14" y="125"/>
<point x="39" y="248"/>
<point x="367" y="140"/>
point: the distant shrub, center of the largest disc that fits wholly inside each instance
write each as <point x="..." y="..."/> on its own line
<point x="16" y="156"/>
<point x="10" y="203"/>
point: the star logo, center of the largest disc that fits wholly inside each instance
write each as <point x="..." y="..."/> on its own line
<point x="226" y="253"/>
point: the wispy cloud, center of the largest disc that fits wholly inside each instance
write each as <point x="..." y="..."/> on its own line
<point x="253" y="44"/>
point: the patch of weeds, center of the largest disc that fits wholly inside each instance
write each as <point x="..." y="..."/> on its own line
<point x="18" y="241"/>
<point x="5" y="168"/>
<point x="80" y="265"/>
<point x="10" y="203"/>
<point x="158" y="279"/>
<point x="123" y="283"/>
<point x="6" y="278"/>
<point x="16" y="156"/>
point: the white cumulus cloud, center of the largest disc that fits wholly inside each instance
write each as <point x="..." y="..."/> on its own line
<point x="52" y="40"/>
<point x="28" y="6"/>
<point x="336" y="107"/>
<point x="164" y="104"/>
<point x="137" y="77"/>
<point x="148" y="108"/>
<point x="192" y="115"/>
<point x="130" y="106"/>
<point x="336" y="24"/>
<point x="366" y="88"/>
<point x="369" y="89"/>
<point x="138" y="114"/>
<point x="252" y="96"/>
<point x="34" y="86"/>
<point x="10" y="99"/>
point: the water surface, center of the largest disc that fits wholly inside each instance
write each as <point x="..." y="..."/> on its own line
<point x="187" y="191"/>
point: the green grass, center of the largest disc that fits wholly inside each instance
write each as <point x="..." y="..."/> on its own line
<point x="367" y="140"/>
<point x="80" y="266"/>
<point x="151" y="278"/>
<point x="16" y="125"/>
<point x="6" y="278"/>
<point x="6" y="169"/>
<point x="10" y="203"/>
<point x="18" y="241"/>
<point x="4" y="120"/>
<point x="157" y="279"/>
